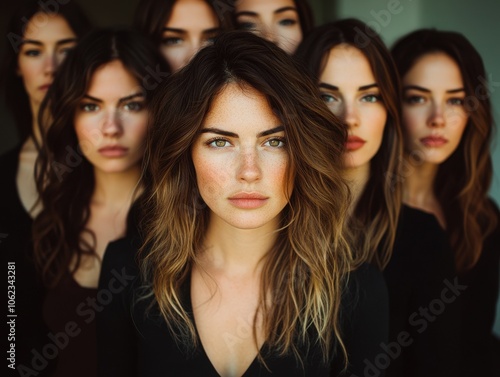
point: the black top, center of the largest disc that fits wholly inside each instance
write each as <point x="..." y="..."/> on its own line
<point x="16" y="246"/>
<point x="424" y="310"/>
<point x="133" y="344"/>
<point x="480" y="349"/>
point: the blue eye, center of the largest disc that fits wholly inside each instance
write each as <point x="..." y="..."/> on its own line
<point x="328" y="98"/>
<point x="287" y="22"/>
<point x="372" y="98"/>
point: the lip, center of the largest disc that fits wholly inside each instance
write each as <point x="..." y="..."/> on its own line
<point x="44" y="87"/>
<point x="248" y="200"/>
<point x="354" y="143"/>
<point x="113" y="151"/>
<point x="433" y="141"/>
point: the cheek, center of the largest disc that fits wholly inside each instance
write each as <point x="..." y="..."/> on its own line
<point x="413" y="119"/>
<point x="175" y="58"/>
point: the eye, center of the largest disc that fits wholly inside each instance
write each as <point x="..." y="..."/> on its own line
<point x="134" y="106"/>
<point x="89" y="107"/>
<point x="218" y="143"/>
<point x="65" y="50"/>
<point x="456" y="101"/>
<point x="247" y="26"/>
<point x="328" y="98"/>
<point x="287" y="22"/>
<point x="371" y="98"/>
<point x="32" y="53"/>
<point x="171" y="41"/>
<point x="415" y="100"/>
<point x="276" y="142"/>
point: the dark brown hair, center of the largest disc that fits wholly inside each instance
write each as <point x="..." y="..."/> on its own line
<point x="15" y="94"/>
<point x="377" y="211"/>
<point x="463" y="197"/>
<point x="304" y="272"/>
<point x="64" y="177"/>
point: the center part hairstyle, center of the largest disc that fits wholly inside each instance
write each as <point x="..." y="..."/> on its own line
<point x="464" y="196"/>
<point x="152" y="15"/>
<point x="64" y="177"/>
<point x="304" y="272"/>
<point x="377" y="211"/>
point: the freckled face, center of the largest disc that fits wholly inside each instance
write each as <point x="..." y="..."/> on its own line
<point x="350" y="90"/>
<point x="434" y="116"/>
<point x="241" y="161"/>
<point x="192" y="25"/>
<point x="46" y="41"/>
<point x="111" y="121"/>
<point x="275" y="20"/>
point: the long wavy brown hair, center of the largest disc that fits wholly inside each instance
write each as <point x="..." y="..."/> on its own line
<point x="304" y="272"/>
<point x="65" y="179"/>
<point x="376" y="214"/>
<point x="463" y="197"/>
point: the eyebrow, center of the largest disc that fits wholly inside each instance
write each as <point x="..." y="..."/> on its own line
<point x="255" y="14"/>
<point x="421" y="89"/>
<point x="121" y="100"/>
<point x="336" y="88"/>
<point x="39" y="43"/>
<point x="232" y="134"/>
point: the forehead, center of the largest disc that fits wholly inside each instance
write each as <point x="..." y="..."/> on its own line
<point x="112" y="81"/>
<point x="263" y="6"/>
<point x="434" y="71"/>
<point x="241" y="109"/>
<point x="48" y="28"/>
<point x="347" y="66"/>
<point x="192" y="14"/>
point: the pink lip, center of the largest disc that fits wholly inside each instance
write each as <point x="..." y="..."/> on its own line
<point x="248" y="200"/>
<point x="354" y="143"/>
<point x="44" y="87"/>
<point x="433" y="141"/>
<point x="113" y="151"/>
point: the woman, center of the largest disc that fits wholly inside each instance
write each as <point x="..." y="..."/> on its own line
<point x="87" y="174"/>
<point x="181" y="27"/>
<point x="359" y="82"/>
<point x="448" y="125"/>
<point x="38" y="42"/>
<point x="283" y="22"/>
<point x="245" y="259"/>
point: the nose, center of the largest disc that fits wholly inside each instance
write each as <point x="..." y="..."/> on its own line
<point x="350" y="114"/>
<point x="249" y="166"/>
<point x="50" y="65"/>
<point x="112" y="125"/>
<point x="436" y="118"/>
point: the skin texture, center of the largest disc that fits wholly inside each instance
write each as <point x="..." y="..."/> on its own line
<point x="192" y="25"/>
<point x="349" y="88"/>
<point x="274" y="20"/>
<point x="435" y="108"/>
<point x="112" y="114"/>
<point x="45" y="46"/>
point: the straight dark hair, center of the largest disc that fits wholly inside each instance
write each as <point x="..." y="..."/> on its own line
<point x="65" y="179"/>
<point x="16" y="98"/>
<point x="377" y="211"/>
<point x="469" y="215"/>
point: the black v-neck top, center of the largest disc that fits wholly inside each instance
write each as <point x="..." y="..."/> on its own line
<point x="131" y="343"/>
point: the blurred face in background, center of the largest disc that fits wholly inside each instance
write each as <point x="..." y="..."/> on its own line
<point x="111" y="120"/>
<point x="45" y="43"/>
<point x="350" y="90"/>
<point x="275" y="20"/>
<point x="434" y="116"/>
<point x="192" y="25"/>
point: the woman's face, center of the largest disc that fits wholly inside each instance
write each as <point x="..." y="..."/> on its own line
<point x="275" y="20"/>
<point x="192" y="25"/>
<point x="46" y="41"/>
<point x="111" y="120"/>
<point x="241" y="161"/>
<point x="434" y="116"/>
<point x="350" y="90"/>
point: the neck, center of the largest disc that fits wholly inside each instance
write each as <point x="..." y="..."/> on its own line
<point x="35" y="129"/>
<point x="419" y="185"/>
<point x="236" y="252"/>
<point x="357" y="179"/>
<point x="116" y="190"/>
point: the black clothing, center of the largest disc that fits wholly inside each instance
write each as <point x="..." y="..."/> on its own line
<point x="480" y="349"/>
<point x="424" y="310"/>
<point x="133" y="344"/>
<point x="16" y="246"/>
